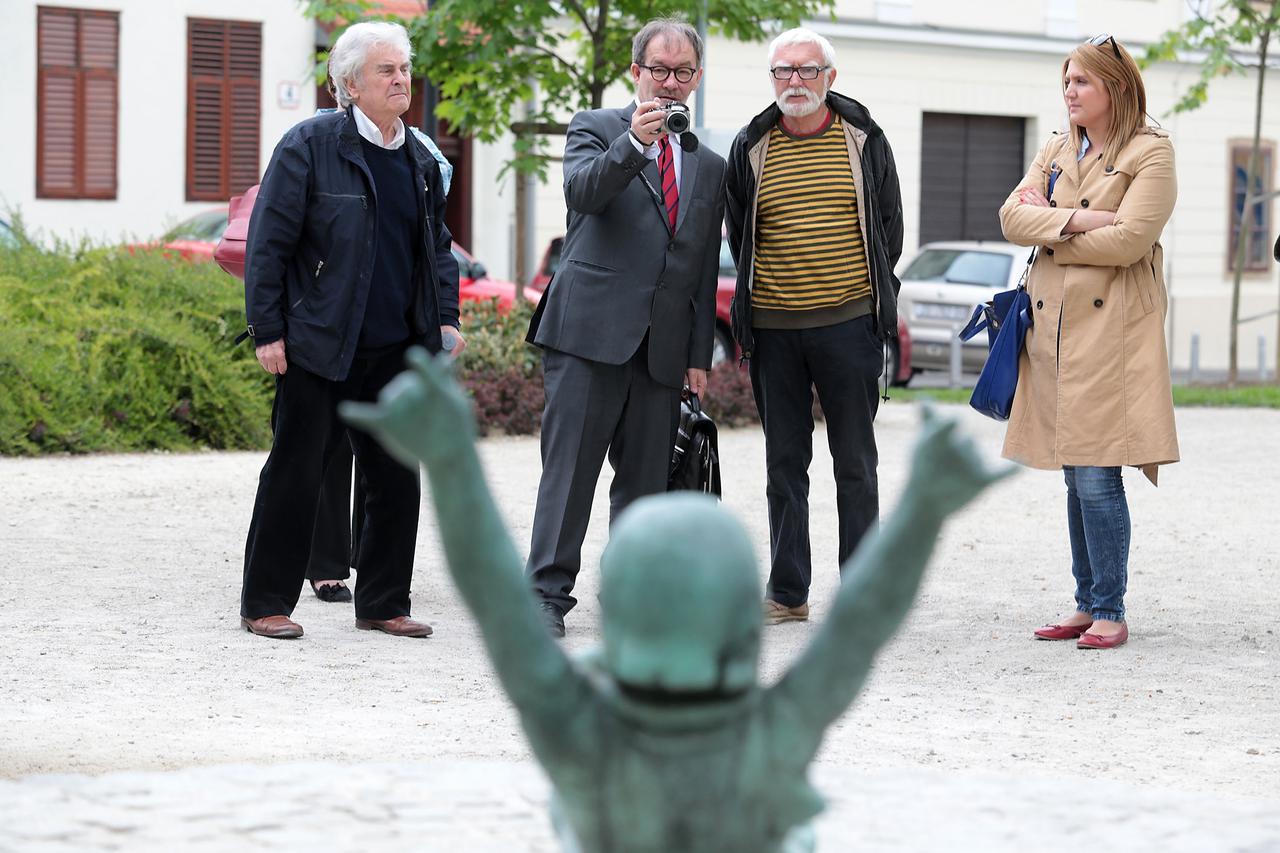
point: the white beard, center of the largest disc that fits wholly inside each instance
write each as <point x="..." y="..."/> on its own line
<point x="812" y="102"/>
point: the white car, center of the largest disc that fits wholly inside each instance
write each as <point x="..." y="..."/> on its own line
<point x="940" y="288"/>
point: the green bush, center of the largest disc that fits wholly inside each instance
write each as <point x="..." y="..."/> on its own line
<point x="108" y="350"/>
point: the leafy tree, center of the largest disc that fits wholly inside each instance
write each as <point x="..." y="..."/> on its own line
<point x="1235" y="38"/>
<point x="520" y="65"/>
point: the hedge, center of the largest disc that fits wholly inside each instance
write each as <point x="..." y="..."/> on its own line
<point x="109" y="350"/>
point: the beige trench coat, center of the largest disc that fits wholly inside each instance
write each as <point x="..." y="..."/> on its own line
<point x="1093" y="380"/>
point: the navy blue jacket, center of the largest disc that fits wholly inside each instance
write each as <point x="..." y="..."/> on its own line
<point x="312" y="241"/>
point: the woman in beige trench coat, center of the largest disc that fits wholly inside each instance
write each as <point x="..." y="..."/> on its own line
<point x="1093" y="381"/>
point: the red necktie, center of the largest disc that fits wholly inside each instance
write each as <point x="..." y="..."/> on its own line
<point x="667" y="169"/>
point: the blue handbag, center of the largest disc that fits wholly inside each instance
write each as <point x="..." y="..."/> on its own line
<point x="1006" y="318"/>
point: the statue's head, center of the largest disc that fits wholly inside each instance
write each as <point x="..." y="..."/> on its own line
<point x="680" y="598"/>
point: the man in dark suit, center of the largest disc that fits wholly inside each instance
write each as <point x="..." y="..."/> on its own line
<point x="630" y="316"/>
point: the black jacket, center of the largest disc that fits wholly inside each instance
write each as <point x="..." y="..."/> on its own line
<point x="882" y="220"/>
<point x="312" y="241"/>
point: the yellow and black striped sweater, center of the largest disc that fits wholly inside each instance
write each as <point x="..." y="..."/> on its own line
<point x="810" y="268"/>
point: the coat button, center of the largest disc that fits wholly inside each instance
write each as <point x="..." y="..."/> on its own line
<point x="1039" y="303"/>
<point x="1084" y="202"/>
<point x="671" y="247"/>
<point x="1053" y="202"/>
<point x="1110" y="169"/>
<point x="1049" y="252"/>
<point x="1097" y="303"/>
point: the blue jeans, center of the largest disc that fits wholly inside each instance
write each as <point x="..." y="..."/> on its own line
<point x="1098" y="520"/>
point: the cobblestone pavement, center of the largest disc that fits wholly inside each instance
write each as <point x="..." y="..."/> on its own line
<point x="489" y="807"/>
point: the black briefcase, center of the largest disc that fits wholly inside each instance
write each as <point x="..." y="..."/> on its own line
<point x="695" y="459"/>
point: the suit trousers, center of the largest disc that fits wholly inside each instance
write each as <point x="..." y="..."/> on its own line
<point x="593" y="410"/>
<point x="307" y="432"/>
<point x="337" y="529"/>
<point x="843" y="362"/>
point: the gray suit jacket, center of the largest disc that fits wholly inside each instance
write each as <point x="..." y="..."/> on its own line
<point x="622" y="272"/>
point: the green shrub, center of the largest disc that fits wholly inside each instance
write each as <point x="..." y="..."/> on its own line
<point x="107" y="350"/>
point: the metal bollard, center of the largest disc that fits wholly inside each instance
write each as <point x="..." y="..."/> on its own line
<point x="1195" y="359"/>
<point x="955" y="352"/>
<point x="1262" y="358"/>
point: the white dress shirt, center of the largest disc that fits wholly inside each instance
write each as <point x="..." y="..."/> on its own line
<point x="369" y="130"/>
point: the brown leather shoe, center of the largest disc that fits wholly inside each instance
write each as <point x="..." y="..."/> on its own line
<point x="400" y="626"/>
<point x="776" y="613"/>
<point x="277" y="627"/>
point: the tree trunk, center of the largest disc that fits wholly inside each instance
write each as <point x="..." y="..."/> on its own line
<point x="1242" y="240"/>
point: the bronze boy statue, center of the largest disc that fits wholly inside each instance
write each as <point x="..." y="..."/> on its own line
<point x="664" y="740"/>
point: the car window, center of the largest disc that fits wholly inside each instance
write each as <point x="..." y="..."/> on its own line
<point x="960" y="266"/>
<point x="727" y="267"/>
<point x="464" y="266"/>
<point x="553" y="256"/>
<point x="204" y="227"/>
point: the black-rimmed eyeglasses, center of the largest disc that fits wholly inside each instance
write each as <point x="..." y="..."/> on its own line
<point x="662" y="72"/>
<point x="806" y="72"/>
<point x="1100" y="40"/>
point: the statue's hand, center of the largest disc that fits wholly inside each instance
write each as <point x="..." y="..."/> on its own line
<point x="420" y="414"/>
<point x="946" y="470"/>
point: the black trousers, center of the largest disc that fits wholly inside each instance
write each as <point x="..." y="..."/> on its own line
<point x="843" y="363"/>
<point x="307" y="431"/>
<point x="335" y="541"/>
<point x="593" y="410"/>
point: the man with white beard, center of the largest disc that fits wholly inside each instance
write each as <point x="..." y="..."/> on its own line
<point x="814" y="217"/>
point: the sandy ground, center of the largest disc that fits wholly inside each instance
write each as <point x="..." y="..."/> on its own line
<point x="121" y="646"/>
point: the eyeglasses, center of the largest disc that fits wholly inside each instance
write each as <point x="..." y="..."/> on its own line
<point x="1100" y="40"/>
<point x="806" y="72"/>
<point x="661" y="72"/>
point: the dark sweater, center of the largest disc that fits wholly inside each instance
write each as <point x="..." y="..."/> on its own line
<point x="386" y="315"/>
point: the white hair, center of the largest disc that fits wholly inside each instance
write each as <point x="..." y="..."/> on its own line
<point x="350" y="52"/>
<point x="801" y="35"/>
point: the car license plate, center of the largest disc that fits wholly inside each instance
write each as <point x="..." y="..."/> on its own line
<point x="936" y="311"/>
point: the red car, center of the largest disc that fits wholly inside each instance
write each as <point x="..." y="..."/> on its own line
<point x="197" y="238"/>
<point x="726" y="284"/>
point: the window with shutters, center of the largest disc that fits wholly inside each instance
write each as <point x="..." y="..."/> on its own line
<point x="77" y="85"/>
<point x="224" y="97"/>
<point x="1257" y="246"/>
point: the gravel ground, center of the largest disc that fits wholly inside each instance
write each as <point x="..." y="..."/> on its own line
<point x="122" y="648"/>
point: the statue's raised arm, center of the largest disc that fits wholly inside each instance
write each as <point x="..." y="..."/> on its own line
<point x="883" y="575"/>
<point x="423" y="415"/>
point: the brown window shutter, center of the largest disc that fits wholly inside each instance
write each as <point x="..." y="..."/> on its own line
<point x="76" y="112"/>
<point x="223" y="107"/>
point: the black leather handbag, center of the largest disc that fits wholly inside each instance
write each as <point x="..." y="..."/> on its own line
<point x="695" y="459"/>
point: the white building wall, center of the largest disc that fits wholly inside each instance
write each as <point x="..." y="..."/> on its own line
<point x="152" y="118"/>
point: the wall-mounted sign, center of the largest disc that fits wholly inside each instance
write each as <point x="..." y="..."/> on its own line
<point x="288" y="95"/>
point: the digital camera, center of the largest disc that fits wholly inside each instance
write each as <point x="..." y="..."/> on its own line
<point x="676" y="119"/>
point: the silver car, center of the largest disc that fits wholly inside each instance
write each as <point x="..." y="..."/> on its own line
<point x="940" y="288"/>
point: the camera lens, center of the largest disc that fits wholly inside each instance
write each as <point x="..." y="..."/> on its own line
<point x="676" y="119"/>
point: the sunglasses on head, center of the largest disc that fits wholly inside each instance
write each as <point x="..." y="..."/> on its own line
<point x="1100" y="40"/>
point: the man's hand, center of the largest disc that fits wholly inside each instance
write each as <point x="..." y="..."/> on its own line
<point x="946" y="469"/>
<point x="646" y="122"/>
<point x="459" y="342"/>
<point x="271" y="357"/>
<point x="422" y="414"/>
<point x="696" y="379"/>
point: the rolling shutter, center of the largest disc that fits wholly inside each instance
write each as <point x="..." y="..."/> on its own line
<point x="968" y="166"/>
<point x="77" y="103"/>
<point x="224" y="94"/>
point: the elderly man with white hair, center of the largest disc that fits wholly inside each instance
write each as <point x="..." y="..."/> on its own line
<point x="814" y="216"/>
<point x="347" y="265"/>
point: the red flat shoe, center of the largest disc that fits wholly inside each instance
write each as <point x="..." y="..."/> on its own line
<point x="1097" y="641"/>
<point x="1061" y="632"/>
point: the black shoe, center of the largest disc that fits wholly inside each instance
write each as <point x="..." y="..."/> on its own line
<point x="553" y="618"/>
<point x="331" y="592"/>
